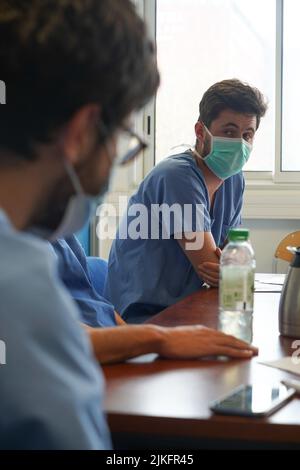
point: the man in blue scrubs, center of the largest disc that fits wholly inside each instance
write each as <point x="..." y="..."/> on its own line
<point x="157" y="268"/>
<point x="74" y="71"/>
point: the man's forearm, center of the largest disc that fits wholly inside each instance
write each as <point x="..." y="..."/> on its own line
<point x="124" y="342"/>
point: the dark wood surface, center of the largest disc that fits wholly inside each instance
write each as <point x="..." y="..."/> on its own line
<point x="171" y="398"/>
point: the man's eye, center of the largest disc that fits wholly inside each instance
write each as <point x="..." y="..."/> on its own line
<point x="248" y="137"/>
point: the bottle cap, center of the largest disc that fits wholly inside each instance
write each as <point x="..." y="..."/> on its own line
<point x="238" y="235"/>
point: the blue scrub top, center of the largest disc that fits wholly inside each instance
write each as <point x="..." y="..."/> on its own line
<point x="147" y="275"/>
<point x="74" y="271"/>
<point x="51" y="386"/>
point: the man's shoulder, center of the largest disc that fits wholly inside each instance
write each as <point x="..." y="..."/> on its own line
<point x="44" y="339"/>
<point x="178" y="162"/>
<point x="236" y="182"/>
<point x="23" y="253"/>
<point x="29" y="284"/>
<point x="176" y="169"/>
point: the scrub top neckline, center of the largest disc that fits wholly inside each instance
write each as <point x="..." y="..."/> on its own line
<point x="217" y="196"/>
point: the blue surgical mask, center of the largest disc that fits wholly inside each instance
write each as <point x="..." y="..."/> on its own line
<point x="227" y="156"/>
<point x="78" y="210"/>
<point x="81" y="207"/>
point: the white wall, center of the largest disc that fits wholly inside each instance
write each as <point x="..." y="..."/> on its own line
<point x="265" y="236"/>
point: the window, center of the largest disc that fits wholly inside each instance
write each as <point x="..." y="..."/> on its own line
<point x="200" y="42"/>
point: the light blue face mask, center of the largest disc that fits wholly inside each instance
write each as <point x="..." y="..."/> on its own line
<point x="227" y="156"/>
<point x="81" y="207"/>
<point x="78" y="211"/>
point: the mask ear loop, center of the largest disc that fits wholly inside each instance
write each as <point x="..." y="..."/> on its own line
<point x="194" y="150"/>
<point x="211" y="139"/>
<point x="73" y="177"/>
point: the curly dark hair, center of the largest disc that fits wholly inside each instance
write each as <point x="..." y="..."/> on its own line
<point x="231" y="94"/>
<point x="58" y="55"/>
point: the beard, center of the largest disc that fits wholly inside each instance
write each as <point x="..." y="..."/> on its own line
<point x="206" y="146"/>
<point x="49" y="217"/>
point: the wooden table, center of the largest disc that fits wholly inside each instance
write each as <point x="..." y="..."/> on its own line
<point x="162" y="402"/>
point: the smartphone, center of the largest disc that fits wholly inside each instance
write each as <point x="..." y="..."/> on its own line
<point x="253" y="400"/>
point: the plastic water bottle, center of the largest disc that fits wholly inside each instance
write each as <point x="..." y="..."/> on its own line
<point x="237" y="270"/>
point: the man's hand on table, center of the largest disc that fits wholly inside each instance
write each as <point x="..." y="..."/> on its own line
<point x="192" y="342"/>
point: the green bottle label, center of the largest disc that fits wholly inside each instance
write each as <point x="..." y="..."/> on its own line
<point x="236" y="288"/>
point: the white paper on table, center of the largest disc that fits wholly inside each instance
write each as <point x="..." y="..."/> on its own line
<point x="289" y="364"/>
<point x="275" y="279"/>
<point x="269" y="282"/>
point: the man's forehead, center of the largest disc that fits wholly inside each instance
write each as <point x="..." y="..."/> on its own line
<point x="229" y="117"/>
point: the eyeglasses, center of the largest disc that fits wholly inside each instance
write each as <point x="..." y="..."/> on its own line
<point x="129" y="146"/>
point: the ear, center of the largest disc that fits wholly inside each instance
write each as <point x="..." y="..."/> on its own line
<point x="200" y="131"/>
<point x="79" y="133"/>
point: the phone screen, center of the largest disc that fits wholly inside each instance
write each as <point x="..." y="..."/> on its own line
<point x="253" y="400"/>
